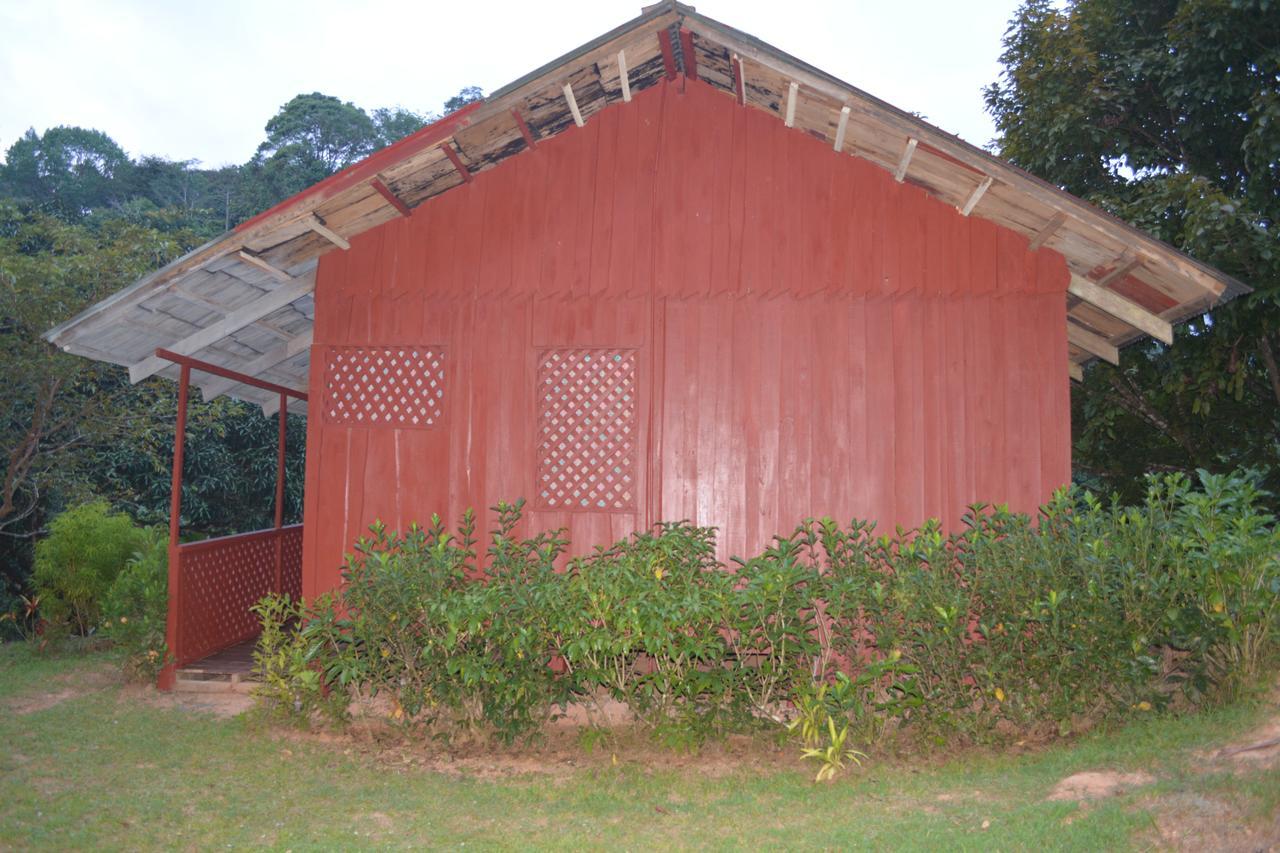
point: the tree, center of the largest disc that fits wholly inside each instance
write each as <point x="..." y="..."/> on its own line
<point x="466" y="95"/>
<point x="1167" y="114"/>
<point x="68" y="171"/>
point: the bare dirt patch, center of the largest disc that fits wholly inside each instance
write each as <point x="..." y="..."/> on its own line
<point x="220" y="704"/>
<point x="1188" y="821"/>
<point x="68" y="686"/>
<point x="1098" y="784"/>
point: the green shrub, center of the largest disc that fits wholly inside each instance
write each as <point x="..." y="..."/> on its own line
<point x="75" y="565"/>
<point x="135" y="608"/>
<point x="291" y="683"/>
<point x="1090" y="612"/>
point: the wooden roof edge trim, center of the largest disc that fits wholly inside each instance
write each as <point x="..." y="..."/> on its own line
<point x="1215" y="281"/>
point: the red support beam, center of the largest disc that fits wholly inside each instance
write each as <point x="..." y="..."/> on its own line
<point x="188" y="362"/>
<point x="282" y="416"/>
<point x="457" y="162"/>
<point x="524" y="129"/>
<point x="172" y="635"/>
<point x="668" y="54"/>
<point x="686" y="51"/>
<point x="392" y="198"/>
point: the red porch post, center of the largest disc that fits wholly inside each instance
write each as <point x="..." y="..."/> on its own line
<point x="282" y="417"/>
<point x="171" y="635"/>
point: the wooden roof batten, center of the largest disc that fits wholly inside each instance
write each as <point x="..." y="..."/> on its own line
<point x="255" y="282"/>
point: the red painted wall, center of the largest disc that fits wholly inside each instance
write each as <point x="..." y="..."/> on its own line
<point x="813" y="337"/>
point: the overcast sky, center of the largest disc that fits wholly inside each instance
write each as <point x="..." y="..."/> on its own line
<point x="198" y="80"/>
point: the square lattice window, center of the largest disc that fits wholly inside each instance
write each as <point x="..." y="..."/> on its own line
<point x="586" y="444"/>
<point x="400" y="387"/>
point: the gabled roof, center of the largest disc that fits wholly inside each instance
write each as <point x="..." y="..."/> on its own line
<point x="243" y="301"/>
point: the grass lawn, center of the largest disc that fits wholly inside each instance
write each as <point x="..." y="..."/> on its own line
<point x="86" y="762"/>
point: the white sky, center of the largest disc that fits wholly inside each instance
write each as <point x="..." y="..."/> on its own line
<point x="200" y="78"/>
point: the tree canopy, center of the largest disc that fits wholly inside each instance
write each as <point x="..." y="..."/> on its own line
<point x="1167" y="114"/>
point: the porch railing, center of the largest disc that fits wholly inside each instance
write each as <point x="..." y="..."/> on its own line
<point x="213" y="583"/>
<point x="220" y="579"/>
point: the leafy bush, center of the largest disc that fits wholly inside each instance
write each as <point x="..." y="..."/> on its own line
<point x="1090" y="612"/>
<point x="75" y="565"/>
<point x="291" y="685"/>
<point x="136" y="606"/>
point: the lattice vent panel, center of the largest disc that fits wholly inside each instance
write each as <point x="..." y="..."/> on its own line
<point x="586" y="444"/>
<point x="400" y="387"/>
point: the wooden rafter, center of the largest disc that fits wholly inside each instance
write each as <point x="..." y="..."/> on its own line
<point x="1122" y="309"/>
<point x="529" y="138"/>
<point x="573" y="104"/>
<point x="792" y="91"/>
<point x="264" y="265"/>
<point x="976" y="196"/>
<point x="456" y="161"/>
<point x="1075" y="371"/>
<point x="688" y="54"/>
<point x="316" y="224"/>
<point x="624" y="76"/>
<point x="668" y="53"/>
<point x="739" y="80"/>
<point x="1050" y="227"/>
<point x="1123" y="265"/>
<point x="392" y="199"/>
<point x="905" y="160"/>
<point x="1091" y="343"/>
<point x="842" y="127"/>
<point x="231" y="323"/>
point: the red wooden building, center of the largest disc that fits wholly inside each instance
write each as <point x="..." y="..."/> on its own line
<point x="674" y="274"/>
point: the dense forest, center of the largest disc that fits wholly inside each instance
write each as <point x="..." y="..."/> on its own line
<point x="80" y="219"/>
<point x="1165" y="113"/>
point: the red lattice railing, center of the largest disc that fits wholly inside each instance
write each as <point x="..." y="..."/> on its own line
<point x="220" y="579"/>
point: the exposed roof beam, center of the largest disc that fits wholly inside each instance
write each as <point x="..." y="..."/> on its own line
<point x="1050" y="227"/>
<point x="1075" y="371"/>
<point x="668" y="54"/>
<point x="457" y="162"/>
<point x="316" y="224"/>
<point x="233" y="322"/>
<point x="1120" y="308"/>
<point x="739" y="79"/>
<point x="905" y="161"/>
<point x="687" y="54"/>
<point x="1092" y="343"/>
<point x="842" y="127"/>
<point x="791" y="104"/>
<point x="976" y="196"/>
<point x="529" y="138"/>
<point x="266" y="361"/>
<point x="1124" y="265"/>
<point x="264" y="265"/>
<point x="624" y="76"/>
<point x="573" y="104"/>
<point x="392" y="199"/>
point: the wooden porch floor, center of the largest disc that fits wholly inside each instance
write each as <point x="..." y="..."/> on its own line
<point x="231" y="664"/>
